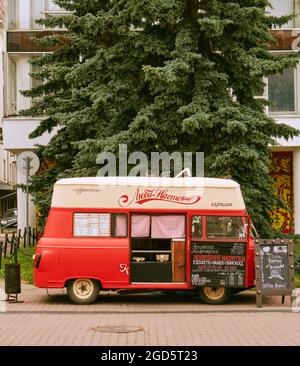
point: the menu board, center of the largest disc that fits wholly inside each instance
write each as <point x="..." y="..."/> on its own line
<point x="274" y="268"/>
<point x="91" y="224"/>
<point x="219" y="264"/>
<point x="274" y="264"/>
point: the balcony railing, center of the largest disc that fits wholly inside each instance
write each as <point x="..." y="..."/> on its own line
<point x="24" y="41"/>
<point x="287" y="40"/>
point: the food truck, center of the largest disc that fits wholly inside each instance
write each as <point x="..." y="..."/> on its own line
<point x="145" y="234"/>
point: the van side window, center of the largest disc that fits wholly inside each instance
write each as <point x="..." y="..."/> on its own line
<point x="225" y="227"/>
<point x="197" y="227"/>
<point x="119" y="225"/>
<point x="96" y="224"/>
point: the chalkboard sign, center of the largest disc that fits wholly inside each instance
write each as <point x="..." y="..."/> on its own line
<point x="274" y="268"/>
<point x="219" y="264"/>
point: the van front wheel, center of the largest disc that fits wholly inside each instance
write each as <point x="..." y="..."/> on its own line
<point x="214" y="295"/>
<point x="83" y="290"/>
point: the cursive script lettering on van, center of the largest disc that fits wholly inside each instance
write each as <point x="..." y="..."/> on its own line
<point x="80" y="190"/>
<point x="157" y="194"/>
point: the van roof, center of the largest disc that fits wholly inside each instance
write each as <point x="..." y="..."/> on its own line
<point x="151" y="181"/>
<point x="145" y="193"/>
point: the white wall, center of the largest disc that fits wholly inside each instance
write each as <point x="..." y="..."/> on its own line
<point x="16" y="134"/>
<point x="293" y="121"/>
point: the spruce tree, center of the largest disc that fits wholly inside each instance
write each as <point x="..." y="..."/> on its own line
<point x="161" y="75"/>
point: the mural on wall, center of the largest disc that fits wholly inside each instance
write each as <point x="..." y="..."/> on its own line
<point x="282" y="172"/>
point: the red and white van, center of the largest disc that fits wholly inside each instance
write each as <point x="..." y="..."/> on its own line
<point x="146" y="233"/>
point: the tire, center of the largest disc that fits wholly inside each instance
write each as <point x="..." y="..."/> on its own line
<point x="214" y="295"/>
<point x="83" y="290"/>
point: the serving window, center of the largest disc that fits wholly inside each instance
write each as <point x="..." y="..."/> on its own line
<point x="95" y="224"/>
<point x="158" y="226"/>
<point x="158" y="248"/>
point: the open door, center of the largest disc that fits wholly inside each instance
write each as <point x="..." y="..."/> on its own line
<point x="157" y="248"/>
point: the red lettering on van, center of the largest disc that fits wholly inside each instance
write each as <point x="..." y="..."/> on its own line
<point x="157" y="194"/>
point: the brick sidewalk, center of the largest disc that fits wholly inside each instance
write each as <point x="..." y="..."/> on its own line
<point x="36" y="299"/>
<point x="182" y="329"/>
<point x="163" y="320"/>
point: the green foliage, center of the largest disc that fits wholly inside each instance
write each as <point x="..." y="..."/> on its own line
<point x="297" y="260"/>
<point x="26" y="264"/>
<point x="162" y="75"/>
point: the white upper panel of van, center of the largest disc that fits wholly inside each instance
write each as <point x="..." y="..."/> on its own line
<point x="150" y="181"/>
<point x="145" y="193"/>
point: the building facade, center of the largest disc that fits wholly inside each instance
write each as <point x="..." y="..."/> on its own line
<point x="283" y="90"/>
<point x="8" y="196"/>
<point x="18" y="29"/>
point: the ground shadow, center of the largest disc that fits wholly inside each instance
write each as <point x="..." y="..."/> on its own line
<point x="155" y="297"/>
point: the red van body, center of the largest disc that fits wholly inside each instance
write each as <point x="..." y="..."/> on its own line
<point x="64" y="255"/>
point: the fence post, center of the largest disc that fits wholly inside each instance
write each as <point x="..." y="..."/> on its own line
<point x="19" y="238"/>
<point x="1" y="251"/>
<point x="25" y="237"/>
<point x="29" y="236"/>
<point x="33" y="236"/>
<point x="12" y="243"/>
<point x="5" y="244"/>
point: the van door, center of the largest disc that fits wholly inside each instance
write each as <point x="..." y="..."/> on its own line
<point x="178" y="260"/>
<point x="158" y="248"/>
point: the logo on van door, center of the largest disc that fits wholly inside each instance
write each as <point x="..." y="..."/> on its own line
<point x="124" y="268"/>
<point x="157" y="194"/>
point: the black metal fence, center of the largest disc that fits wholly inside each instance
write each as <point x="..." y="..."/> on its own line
<point x="11" y="239"/>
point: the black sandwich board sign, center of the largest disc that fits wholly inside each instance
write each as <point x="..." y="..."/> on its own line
<point x="220" y="264"/>
<point x="274" y="268"/>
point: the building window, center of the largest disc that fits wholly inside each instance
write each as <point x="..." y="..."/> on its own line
<point x="36" y="83"/>
<point x="281" y="91"/>
<point x="36" y="13"/>
<point x="12" y="14"/>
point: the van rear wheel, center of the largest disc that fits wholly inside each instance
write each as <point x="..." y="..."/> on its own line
<point x="83" y="290"/>
<point x="214" y="295"/>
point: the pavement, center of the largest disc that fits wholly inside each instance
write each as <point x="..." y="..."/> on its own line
<point x="152" y="319"/>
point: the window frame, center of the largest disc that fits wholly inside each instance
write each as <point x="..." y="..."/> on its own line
<point x="112" y="225"/>
<point x="217" y="239"/>
<point x="296" y="97"/>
